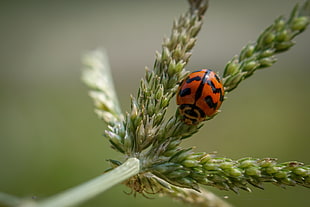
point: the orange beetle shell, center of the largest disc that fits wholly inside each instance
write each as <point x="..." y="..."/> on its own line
<point x="200" y="95"/>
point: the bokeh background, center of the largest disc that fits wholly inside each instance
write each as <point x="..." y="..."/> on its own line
<point x="51" y="140"/>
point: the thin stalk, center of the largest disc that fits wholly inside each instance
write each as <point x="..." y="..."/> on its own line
<point x="9" y="200"/>
<point x="91" y="188"/>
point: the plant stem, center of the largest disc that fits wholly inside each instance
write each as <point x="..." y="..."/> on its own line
<point x="91" y="188"/>
<point x="9" y="200"/>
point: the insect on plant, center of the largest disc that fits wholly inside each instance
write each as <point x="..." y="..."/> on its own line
<point x="154" y="162"/>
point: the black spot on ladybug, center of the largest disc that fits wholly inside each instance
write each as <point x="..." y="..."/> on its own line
<point x="209" y="101"/>
<point x="185" y="92"/>
<point x="217" y="78"/>
<point x="196" y="78"/>
<point x="200" y="88"/>
<point x="216" y="90"/>
<point x="199" y="92"/>
<point x="221" y="97"/>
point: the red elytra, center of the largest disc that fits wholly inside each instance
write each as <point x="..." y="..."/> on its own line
<point x="200" y="95"/>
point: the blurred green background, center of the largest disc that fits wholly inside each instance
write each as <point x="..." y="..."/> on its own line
<point x="51" y="139"/>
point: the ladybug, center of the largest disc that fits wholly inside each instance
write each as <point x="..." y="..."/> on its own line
<point x="200" y="95"/>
